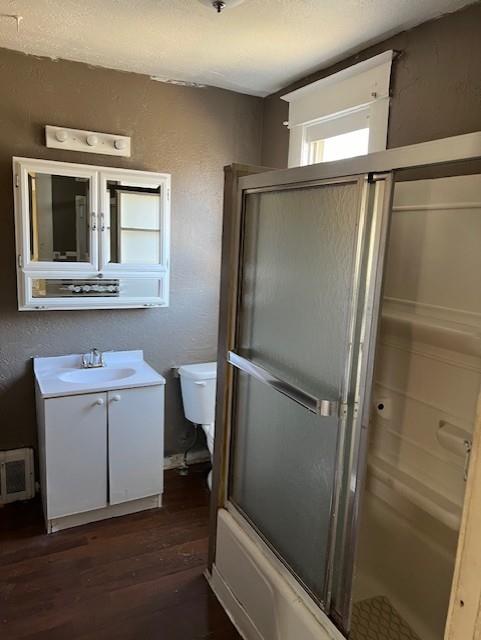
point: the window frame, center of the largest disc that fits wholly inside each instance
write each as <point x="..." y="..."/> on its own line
<point x="362" y="90"/>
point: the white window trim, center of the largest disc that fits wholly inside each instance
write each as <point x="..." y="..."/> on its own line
<point x="363" y="87"/>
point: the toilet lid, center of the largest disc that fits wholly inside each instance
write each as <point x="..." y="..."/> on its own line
<point x="201" y="371"/>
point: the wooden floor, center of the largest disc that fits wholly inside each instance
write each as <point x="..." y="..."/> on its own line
<point x="136" y="577"/>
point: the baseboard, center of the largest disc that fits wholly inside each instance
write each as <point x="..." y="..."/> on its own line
<point x="176" y="460"/>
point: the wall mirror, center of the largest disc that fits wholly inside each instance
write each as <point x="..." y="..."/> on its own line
<point x="134" y="221"/>
<point x="59" y="210"/>
<point x="81" y="229"/>
<point x="134" y="225"/>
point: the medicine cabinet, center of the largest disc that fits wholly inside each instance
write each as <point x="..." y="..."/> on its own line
<point x="90" y="237"/>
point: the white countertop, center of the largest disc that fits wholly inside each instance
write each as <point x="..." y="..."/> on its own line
<point x="48" y="371"/>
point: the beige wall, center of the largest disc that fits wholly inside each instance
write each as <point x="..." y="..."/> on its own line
<point x="190" y="133"/>
<point x="436" y="85"/>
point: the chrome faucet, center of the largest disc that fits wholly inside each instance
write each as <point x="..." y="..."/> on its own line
<point x="93" y="359"/>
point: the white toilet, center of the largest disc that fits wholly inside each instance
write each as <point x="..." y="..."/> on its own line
<point x="198" y="382"/>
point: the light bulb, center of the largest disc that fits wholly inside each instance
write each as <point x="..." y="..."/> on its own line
<point x="61" y="135"/>
<point x="120" y="144"/>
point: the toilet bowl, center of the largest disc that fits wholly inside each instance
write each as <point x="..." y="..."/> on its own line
<point x="198" y="382"/>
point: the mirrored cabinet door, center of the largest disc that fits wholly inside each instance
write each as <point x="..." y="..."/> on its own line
<point x="134" y="222"/>
<point x="58" y="216"/>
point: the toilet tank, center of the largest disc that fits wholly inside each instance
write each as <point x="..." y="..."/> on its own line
<point x="197" y="383"/>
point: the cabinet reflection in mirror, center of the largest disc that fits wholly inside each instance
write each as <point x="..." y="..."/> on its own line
<point x="59" y="218"/>
<point x="133" y="223"/>
<point x="131" y="288"/>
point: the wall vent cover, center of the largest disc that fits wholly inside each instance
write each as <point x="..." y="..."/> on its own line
<point x="17" y="480"/>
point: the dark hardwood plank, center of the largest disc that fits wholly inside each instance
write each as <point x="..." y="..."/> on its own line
<point x="136" y="577"/>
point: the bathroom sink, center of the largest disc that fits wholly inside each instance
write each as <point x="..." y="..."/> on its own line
<point x="59" y="376"/>
<point x="87" y="376"/>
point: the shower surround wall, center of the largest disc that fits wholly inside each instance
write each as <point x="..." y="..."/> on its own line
<point x="190" y="133"/>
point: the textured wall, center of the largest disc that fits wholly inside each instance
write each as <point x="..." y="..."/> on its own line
<point x="190" y="133"/>
<point x="436" y="85"/>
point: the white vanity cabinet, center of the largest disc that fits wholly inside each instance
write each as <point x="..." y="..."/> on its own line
<point x="101" y="453"/>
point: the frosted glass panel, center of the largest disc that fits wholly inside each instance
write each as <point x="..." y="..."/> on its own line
<point x="297" y="271"/>
<point x="296" y="292"/>
<point x="283" y="476"/>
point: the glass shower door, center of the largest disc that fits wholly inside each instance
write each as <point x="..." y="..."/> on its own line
<point x="306" y="260"/>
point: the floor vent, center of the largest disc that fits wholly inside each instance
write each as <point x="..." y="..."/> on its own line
<point x="17" y="481"/>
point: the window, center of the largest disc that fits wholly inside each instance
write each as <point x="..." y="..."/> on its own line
<point x="345" y="145"/>
<point x="341" y="116"/>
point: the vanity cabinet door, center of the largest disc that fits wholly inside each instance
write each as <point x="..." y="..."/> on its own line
<point x="76" y="454"/>
<point x="136" y="443"/>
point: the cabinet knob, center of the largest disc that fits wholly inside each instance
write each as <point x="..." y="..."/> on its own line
<point x="116" y="397"/>
<point x="100" y="401"/>
<point x="200" y="383"/>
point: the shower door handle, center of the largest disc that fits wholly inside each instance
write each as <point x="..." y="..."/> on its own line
<point x="324" y="408"/>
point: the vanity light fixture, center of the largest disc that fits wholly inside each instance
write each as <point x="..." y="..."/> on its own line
<point x="87" y="141"/>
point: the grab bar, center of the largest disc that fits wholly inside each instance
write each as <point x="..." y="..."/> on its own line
<point x="323" y="408"/>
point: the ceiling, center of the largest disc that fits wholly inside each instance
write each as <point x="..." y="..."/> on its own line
<point x="256" y="47"/>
